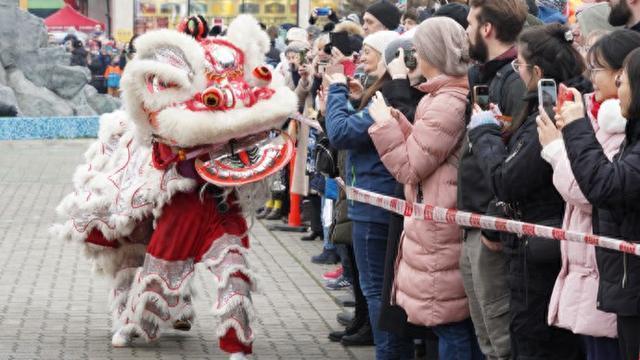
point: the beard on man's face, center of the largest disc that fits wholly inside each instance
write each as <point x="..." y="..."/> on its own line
<point x="478" y="50"/>
<point x="620" y="13"/>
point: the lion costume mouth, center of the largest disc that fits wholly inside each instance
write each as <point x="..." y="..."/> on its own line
<point x="246" y="160"/>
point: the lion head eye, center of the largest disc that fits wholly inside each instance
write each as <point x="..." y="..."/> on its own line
<point x="212" y="98"/>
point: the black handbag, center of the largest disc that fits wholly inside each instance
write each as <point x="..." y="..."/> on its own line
<point x="326" y="157"/>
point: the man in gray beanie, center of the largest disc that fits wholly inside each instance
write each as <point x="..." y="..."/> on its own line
<point x="382" y="15"/>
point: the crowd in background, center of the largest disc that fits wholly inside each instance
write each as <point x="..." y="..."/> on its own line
<point x="103" y="56"/>
<point x="398" y="97"/>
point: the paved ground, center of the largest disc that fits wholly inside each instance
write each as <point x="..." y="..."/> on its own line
<point x="52" y="307"/>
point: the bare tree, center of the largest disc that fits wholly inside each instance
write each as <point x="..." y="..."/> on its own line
<point x="359" y="6"/>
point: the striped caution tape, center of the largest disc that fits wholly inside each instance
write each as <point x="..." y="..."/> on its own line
<point x="467" y="219"/>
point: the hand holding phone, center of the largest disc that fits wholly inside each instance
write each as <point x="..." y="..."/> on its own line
<point x="323" y="11"/>
<point x="481" y="96"/>
<point x="563" y="95"/>
<point x="548" y="95"/>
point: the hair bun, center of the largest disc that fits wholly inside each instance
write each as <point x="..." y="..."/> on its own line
<point x="561" y="32"/>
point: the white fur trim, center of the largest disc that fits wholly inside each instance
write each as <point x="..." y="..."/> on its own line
<point x="196" y="128"/>
<point x="133" y="85"/>
<point x="610" y="118"/>
<point x="236" y="301"/>
<point x="228" y="324"/>
<point x="103" y="191"/>
<point x="245" y="33"/>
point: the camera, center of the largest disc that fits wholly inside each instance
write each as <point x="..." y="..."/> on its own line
<point x="409" y="59"/>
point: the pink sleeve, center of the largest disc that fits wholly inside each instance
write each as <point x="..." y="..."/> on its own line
<point x="566" y="183"/>
<point x="436" y="134"/>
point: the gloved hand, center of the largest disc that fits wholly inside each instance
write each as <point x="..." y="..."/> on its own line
<point x="483" y="118"/>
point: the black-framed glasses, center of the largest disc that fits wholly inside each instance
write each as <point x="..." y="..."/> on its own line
<point x="516" y="65"/>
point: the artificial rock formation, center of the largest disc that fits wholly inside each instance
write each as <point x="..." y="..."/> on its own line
<point x="36" y="78"/>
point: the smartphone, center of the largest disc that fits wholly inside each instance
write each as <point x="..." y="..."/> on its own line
<point x="564" y="95"/>
<point x="323" y="11"/>
<point x="481" y="96"/>
<point x="341" y="41"/>
<point x="548" y="95"/>
<point x="410" y="60"/>
<point x="321" y="67"/>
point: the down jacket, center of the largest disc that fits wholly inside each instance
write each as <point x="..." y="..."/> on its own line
<point x="424" y="157"/>
<point x="613" y="188"/>
<point x="573" y="302"/>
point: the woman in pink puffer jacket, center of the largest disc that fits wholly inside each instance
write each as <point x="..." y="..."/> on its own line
<point x="573" y="302"/>
<point x="424" y="157"/>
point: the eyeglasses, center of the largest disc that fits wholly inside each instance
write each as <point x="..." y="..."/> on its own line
<point x="593" y="70"/>
<point x="516" y="65"/>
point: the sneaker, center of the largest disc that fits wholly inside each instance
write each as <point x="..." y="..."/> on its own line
<point x="274" y="214"/>
<point x="327" y="257"/>
<point x="314" y="235"/>
<point x="338" y="284"/>
<point x="334" y="274"/>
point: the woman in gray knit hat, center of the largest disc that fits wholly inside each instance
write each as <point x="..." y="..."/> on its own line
<point x="424" y="157"/>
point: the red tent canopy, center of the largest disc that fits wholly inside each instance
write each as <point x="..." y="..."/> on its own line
<point x="69" y="17"/>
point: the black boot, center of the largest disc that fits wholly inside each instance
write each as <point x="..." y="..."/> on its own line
<point x="345" y="318"/>
<point x="327" y="257"/>
<point x="363" y="337"/>
<point x="312" y="236"/>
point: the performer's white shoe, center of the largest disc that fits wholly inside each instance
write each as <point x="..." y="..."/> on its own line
<point x="238" y="356"/>
<point x="121" y="339"/>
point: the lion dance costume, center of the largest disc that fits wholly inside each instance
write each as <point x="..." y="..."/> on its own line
<point x="172" y="176"/>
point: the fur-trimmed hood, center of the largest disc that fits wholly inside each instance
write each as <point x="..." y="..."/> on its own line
<point x="350" y="27"/>
<point x="610" y="118"/>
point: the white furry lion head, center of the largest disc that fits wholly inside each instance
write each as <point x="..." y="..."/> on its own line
<point x="210" y="100"/>
<point x="190" y="92"/>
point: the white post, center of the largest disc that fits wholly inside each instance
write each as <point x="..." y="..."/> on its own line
<point x="303" y="13"/>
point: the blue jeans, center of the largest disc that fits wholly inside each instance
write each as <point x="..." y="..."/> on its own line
<point x="370" y="246"/>
<point x="457" y="341"/>
<point x="326" y="228"/>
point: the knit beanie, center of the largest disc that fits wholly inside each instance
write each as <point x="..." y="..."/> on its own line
<point x="443" y="43"/>
<point x="297" y="34"/>
<point x="595" y="17"/>
<point x="455" y="11"/>
<point x="387" y="13"/>
<point x="392" y="48"/>
<point x="379" y="41"/>
<point x="296" y="47"/>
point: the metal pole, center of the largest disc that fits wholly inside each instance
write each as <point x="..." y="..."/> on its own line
<point x="108" y="18"/>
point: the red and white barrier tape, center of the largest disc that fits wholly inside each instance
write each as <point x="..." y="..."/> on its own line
<point x="467" y="219"/>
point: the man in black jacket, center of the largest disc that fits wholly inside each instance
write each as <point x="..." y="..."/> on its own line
<point x="493" y="29"/>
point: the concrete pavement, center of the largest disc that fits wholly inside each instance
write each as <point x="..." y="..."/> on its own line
<point x="52" y="307"/>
